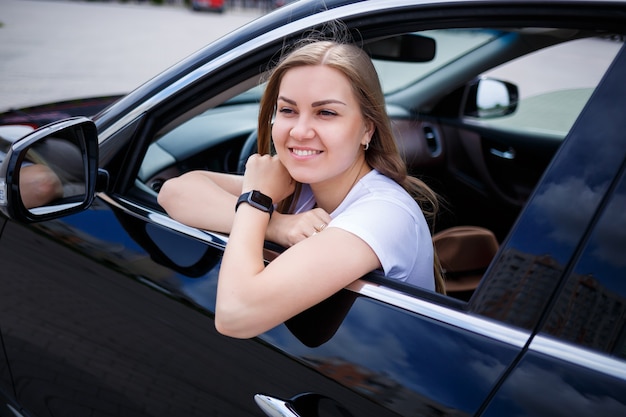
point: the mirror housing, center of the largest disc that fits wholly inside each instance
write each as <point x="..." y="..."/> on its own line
<point x="51" y="172"/>
<point x="490" y="98"/>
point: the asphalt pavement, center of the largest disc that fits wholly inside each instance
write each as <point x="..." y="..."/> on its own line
<point x="64" y="49"/>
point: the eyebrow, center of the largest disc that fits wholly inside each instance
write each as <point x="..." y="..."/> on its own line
<point x="316" y="103"/>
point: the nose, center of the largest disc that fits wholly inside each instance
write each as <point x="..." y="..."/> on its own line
<point x="302" y="129"/>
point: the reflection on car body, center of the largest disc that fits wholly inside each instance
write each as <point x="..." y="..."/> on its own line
<point x="126" y="321"/>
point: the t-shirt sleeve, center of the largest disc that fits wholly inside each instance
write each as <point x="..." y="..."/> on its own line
<point x="389" y="228"/>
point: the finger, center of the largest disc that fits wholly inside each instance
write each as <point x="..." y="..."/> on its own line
<point x="298" y="238"/>
<point x="322" y="215"/>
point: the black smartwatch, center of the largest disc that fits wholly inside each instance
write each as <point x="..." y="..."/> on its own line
<point x="258" y="200"/>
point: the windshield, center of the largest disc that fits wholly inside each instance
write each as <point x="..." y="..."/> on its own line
<point x="396" y="75"/>
<point x="451" y="44"/>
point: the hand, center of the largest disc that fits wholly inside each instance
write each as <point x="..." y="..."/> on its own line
<point x="289" y="229"/>
<point x="268" y="175"/>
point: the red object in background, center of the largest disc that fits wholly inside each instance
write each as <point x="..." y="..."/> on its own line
<point x="214" y="5"/>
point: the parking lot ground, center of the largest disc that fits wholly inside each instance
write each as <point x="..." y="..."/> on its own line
<point x="60" y="49"/>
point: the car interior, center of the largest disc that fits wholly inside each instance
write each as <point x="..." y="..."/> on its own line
<point x="478" y="117"/>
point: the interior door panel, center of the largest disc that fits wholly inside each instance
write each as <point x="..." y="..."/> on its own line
<point x="507" y="169"/>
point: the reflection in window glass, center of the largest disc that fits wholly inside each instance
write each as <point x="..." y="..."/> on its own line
<point x="591" y="309"/>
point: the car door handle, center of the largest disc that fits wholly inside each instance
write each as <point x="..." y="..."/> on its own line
<point x="308" y="404"/>
<point x="275" y="407"/>
<point x="508" y="154"/>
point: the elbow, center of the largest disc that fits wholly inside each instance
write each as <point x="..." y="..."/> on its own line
<point x="224" y="329"/>
<point x="39" y="186"/>
<point x="48" y="190"/>
<point x="232" y="325"/>
<point x="235" y="331"/>
<point x="168" y="195"/>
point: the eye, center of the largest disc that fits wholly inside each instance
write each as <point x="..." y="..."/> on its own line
<point x="286" y="110"/>
<point x="327" y="113"/>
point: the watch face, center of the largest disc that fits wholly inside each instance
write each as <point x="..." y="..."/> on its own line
<point x="258" y="200"/>
<point x="261" y="199"/>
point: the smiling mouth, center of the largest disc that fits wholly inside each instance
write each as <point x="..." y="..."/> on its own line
<point x="305" y="152"/>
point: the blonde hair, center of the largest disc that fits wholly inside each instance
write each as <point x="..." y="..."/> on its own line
<point x="382" y="154"/>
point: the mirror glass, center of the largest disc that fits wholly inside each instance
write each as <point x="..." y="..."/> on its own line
<point x="52" y="174"/>
<point x="494" y="98"/>
<point x="492" y="95"/>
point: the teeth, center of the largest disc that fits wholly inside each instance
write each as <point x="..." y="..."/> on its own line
<point x="305" y="152"/>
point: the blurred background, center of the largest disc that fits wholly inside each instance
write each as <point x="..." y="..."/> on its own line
<point x="52" y="50"/>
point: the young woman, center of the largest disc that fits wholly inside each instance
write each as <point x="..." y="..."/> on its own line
<point x="344" y="203"/>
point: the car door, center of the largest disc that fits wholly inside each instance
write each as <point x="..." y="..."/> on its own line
<point x="7" y="403"/>
<point x="575" y="364"/>
<point x="110" y="311"/>
<point x="92" y="324"/>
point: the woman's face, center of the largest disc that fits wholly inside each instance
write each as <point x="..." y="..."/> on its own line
<point x="319" y="130"/>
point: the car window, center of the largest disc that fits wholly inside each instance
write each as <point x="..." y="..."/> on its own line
<point x="591" y="307"/>
<point x="554" y="84"/>
<point x="485" y="169"/>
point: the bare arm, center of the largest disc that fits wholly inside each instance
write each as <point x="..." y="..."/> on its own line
<point x="39" y="185"/>
<point x="252" y="298"/>
<point x="206" y="200"/>
<point x="202" y="199"/>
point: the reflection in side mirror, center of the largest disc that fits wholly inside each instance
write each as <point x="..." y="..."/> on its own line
<point x="52" y="175"/>
<point x="488" y="98"/>
<point x="51" y="172"/>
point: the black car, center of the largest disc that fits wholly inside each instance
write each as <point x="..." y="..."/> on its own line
<point x="513" y="111"/>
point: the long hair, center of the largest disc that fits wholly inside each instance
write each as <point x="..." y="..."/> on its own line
<point x="382" y="154"/>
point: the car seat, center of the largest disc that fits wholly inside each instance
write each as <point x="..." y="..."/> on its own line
<point x="464" y="252"/>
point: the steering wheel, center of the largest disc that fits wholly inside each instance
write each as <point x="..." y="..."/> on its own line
<point x="249" y="147"/>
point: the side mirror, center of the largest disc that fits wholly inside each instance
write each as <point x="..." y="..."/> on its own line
<point x="51" y="172"/>
<point x="489" y="98"/>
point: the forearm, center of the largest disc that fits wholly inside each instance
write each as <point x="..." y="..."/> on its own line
<point x="202" y="199"/>
<point x="237" y="300"/>
<point x="206" y="200"/>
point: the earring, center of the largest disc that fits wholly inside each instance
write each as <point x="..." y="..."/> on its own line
<point x="366" y="146"/>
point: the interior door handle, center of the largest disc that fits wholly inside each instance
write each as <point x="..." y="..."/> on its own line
<point x="275" y="407"/>
<point x="508" y="154"/>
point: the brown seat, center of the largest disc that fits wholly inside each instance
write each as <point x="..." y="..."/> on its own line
<point x="465" y="252"/>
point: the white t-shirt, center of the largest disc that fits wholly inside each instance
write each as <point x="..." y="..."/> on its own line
<point x="387" y="218"/>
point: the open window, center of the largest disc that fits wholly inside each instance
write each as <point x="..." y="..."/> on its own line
<point x="485" y="164"/>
